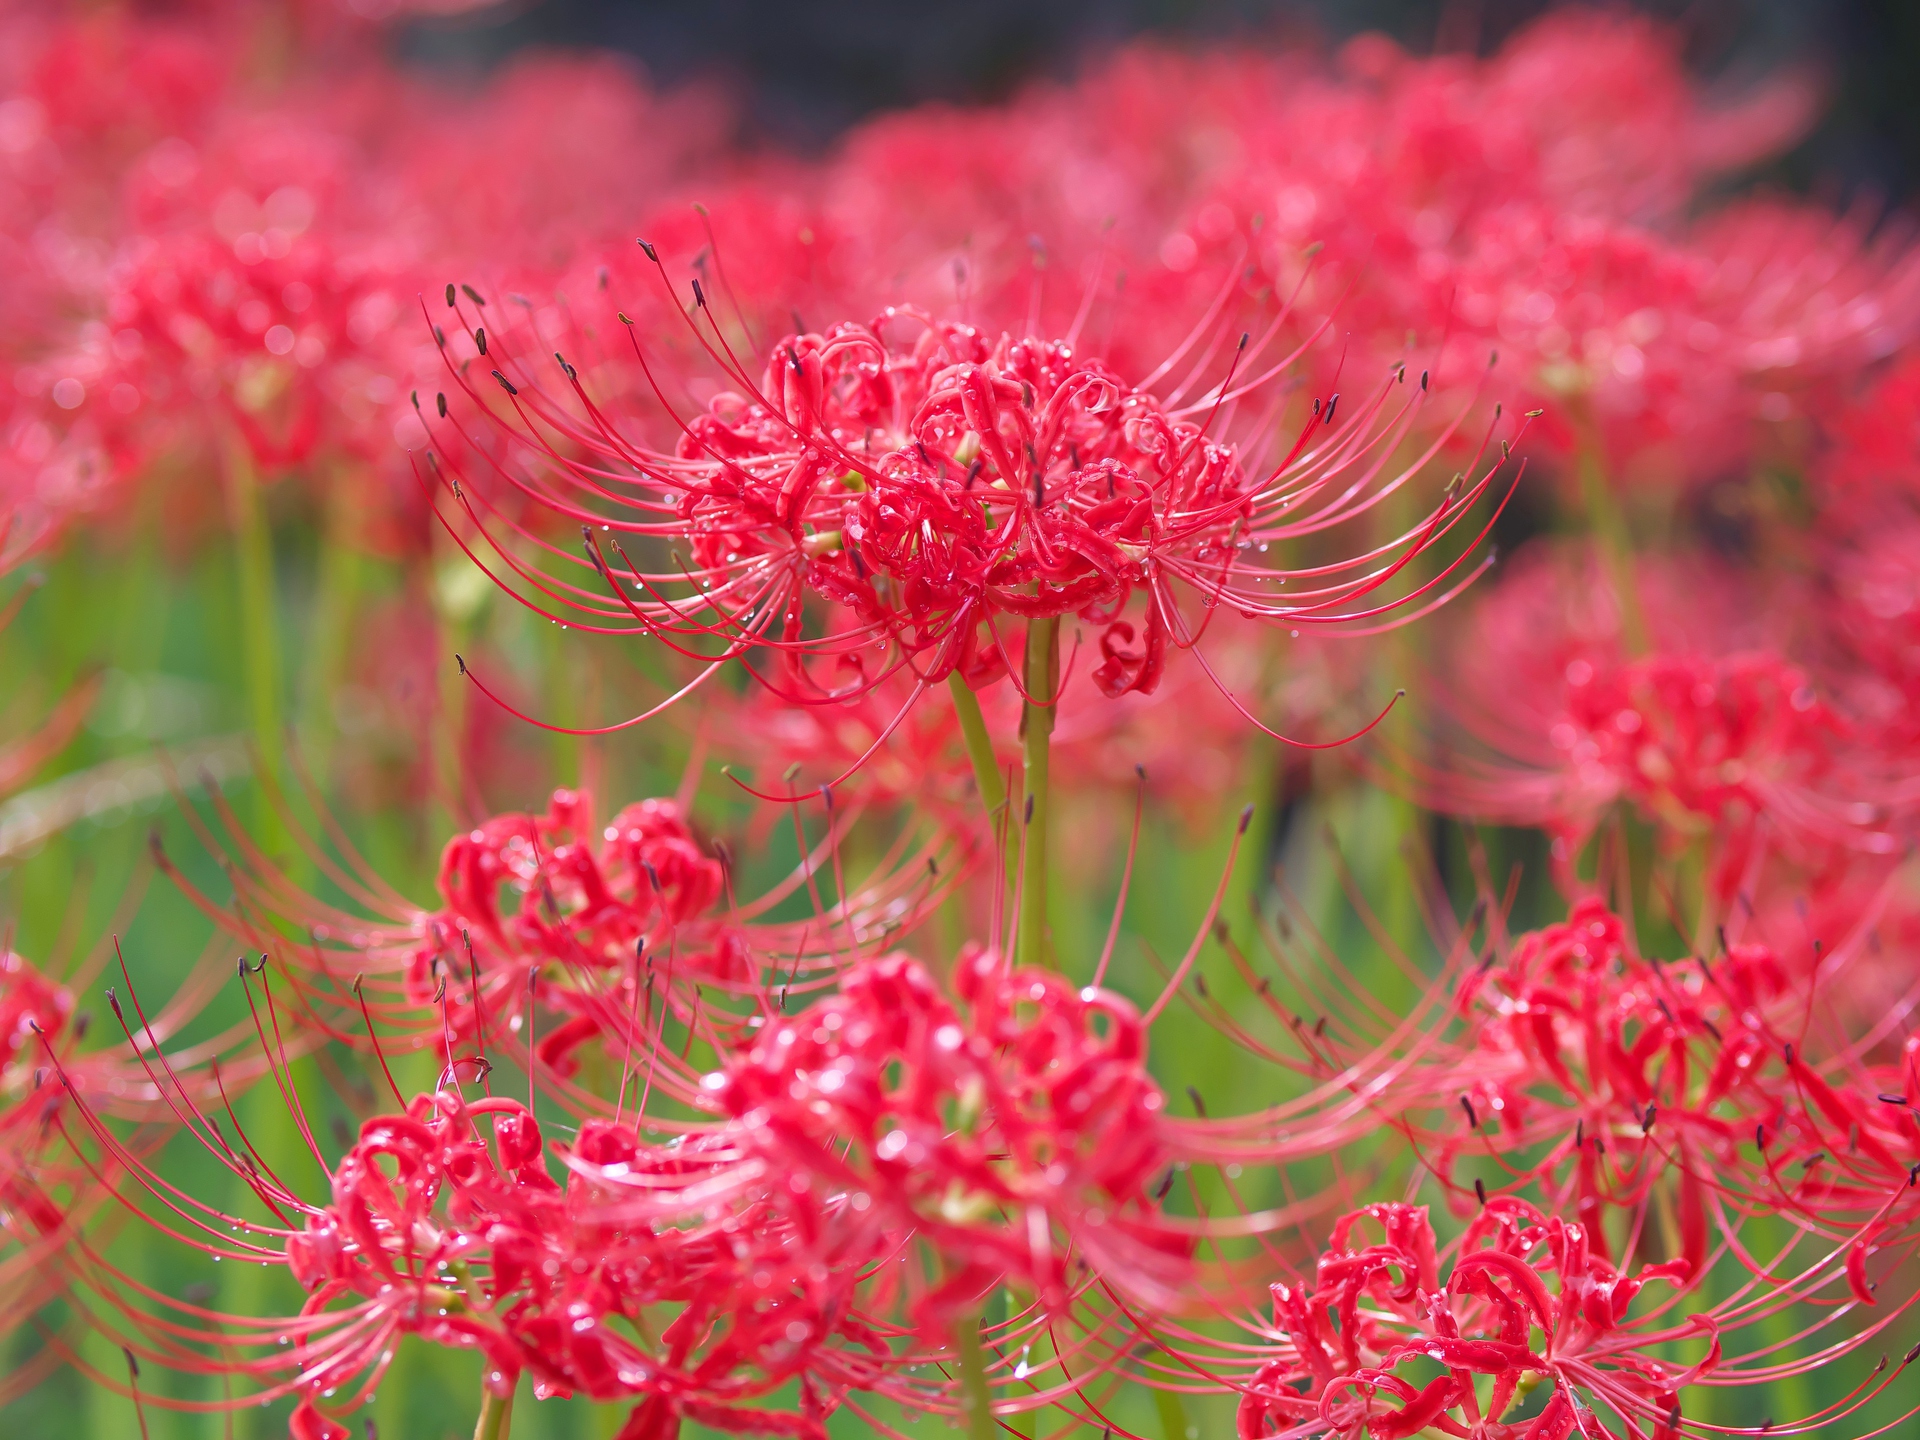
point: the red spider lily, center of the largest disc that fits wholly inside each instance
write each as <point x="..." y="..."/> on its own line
<point x="937" y="489"/>
<point x="51" y="1185"/>
<point x="1175" y="167"/>
<point x="467" y="1250"/>
<point x="877" y="1163"/>
<point x="30" y="1005"/>
<point x="1522" y="1296"/>
<point x="213" y="259"/>
<point x="1658" y="355"/>
<point x="1521" y="203"/>
<point x="733" y="1282"/>
<point x="989" y="1135"/>
<point x="584" y="919"/>
<point x="1873" y="450"/>
<point x="1691" y="1091"/>
<point x="1874" y="574"/>
<point x="1711" y="732"/>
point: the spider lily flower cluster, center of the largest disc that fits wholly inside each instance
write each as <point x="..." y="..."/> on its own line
<point x="936" y="485"/>
<point x="848" y="1096"/>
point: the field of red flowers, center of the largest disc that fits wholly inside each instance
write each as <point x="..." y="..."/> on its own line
<point x="1228" y="749"/>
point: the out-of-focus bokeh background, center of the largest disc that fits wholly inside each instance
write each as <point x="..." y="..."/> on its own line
<point x="806" y="72"/>
<point x="197" y="642"/>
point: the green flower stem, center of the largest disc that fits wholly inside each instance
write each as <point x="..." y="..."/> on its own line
<point x="496" y="1415"/>
<point x="973" y="728"/>
<point x="253" y="557"/>
<point x="1608" y="522"/>
<point x="330" y="634"/>
<point x="976" y="1409"/>
<point x="1174" y="1424"/>
<point x="460" y="594"/>
<point x="1036" y="734"/>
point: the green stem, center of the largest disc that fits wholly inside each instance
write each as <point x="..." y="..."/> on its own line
<point x="253" y="557"/>
<point x="1036" y="734"/>
<point x="976" y="1409"/>
<point x="335" y="599"/>
<point x="460" y="592"/>
<point x="496" y="1415"/>
<point x="1615" y="541"/>
<point x="1173" y="1415"/>
<point x="973" y="728"/>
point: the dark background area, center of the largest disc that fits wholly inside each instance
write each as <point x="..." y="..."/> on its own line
<point x="805" y="71"/>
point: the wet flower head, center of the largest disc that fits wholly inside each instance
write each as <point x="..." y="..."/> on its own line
<point x="986" y="1130"/>
<point x="942" y="484"/>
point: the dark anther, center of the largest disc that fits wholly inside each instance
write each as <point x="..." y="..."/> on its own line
<point x="699" y="295"/>
<point x="1199" y="1105"/>
<point x="461" y="662"/>
<point x="1029" y="815"/>
<point x="1480" y="1189"/>
<point x="480" y="338"/>
<point x="1330" y="404"/>
<point x="505" y="384"/>
<point x="652" y="254"/>
<point x="449" y="294"/>
<point x="1246" y="817"/>
<point x="440" y="404"/>
<point x="473" y="295"/>
<point x="1473" y="1118"/>
<point x="1423" y="379"/>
